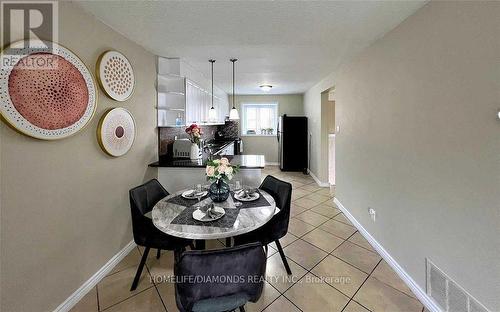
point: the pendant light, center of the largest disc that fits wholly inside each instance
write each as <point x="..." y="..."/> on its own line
<point x="212" y="113"/>
<point x="233" y="114"/>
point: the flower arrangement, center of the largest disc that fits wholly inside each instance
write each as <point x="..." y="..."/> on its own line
<point x="194" y="132"/>
<point x="220" y="169"/>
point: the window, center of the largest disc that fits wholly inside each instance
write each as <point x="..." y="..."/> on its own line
<point x="259" y="118"/>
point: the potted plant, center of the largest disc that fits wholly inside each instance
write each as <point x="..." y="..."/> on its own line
<point x="194" y="132"/>
<point x="220" y="172"/>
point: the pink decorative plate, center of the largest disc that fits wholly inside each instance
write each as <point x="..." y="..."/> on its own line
<point x="116" y="131"/>
<point x="46" y="94"/>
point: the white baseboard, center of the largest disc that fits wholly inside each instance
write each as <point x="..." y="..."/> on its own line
<point x="272" y="163"/>
<point x="321" y="184"/>
<point x="96" y="278"/>
<point x="415" y="288"/>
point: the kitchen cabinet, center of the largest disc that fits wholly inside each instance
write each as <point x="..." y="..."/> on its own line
<point x="182" y="98"/>
<point x="199" y="102"/>
<point x="171" y="93"/>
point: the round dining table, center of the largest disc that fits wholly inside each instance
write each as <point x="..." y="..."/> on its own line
<point x="173" y="215"/>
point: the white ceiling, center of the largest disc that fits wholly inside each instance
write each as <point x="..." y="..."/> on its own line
<point x="290" y="45"/>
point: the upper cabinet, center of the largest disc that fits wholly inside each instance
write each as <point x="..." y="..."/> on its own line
<point x="171" y="93"/>
<point x="184" y="96"/>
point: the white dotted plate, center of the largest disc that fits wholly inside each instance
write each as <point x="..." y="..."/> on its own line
<point x="115" y="75"/>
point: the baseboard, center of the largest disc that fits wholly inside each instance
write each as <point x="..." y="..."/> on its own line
<point x="96" y="278"/>
<point x="272" y="163"/>
<point x="321" y="184"/>
<point x="415" y="288"/>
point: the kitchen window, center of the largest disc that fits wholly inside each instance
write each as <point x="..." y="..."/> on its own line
<point x="259" y="119"/>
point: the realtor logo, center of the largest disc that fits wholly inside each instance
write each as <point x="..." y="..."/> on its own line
<point x="29" y="21"/>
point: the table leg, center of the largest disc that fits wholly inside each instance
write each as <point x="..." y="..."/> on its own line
<point x="200" y="244"/>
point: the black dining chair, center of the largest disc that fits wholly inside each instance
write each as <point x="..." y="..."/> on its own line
<point x="142" y="200"/>
<point x="277" y="227"/>
<point x="219" y="280"/>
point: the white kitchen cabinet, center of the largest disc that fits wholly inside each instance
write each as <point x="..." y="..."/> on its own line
<point x="199" y="102"/>
<point x="183" y="93"/>
<point x="171" y="93"/>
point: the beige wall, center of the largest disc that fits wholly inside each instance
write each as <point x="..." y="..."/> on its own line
<point x="64" y="204"/>
<point x="419" y="142"/>
<point x="291" y="104"/>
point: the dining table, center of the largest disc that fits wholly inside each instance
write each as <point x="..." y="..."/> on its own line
<point x="173" y="215"/>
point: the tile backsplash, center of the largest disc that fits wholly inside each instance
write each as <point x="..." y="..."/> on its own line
<point x="166" y="136"/>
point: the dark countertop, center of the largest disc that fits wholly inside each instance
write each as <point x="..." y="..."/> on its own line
<point x="245" y="162"/>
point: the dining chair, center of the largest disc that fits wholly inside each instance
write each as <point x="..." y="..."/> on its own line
<point x="277" y="227"/>
<point x="142" y="200"/>
<point x="219" y="280"/>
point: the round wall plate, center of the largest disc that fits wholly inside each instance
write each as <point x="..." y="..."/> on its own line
<point x="116" y="132"/>
<point x="46" y="93"/>
<point x="115" y="75"/>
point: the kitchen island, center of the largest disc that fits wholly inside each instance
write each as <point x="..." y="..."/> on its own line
<point x="177" y="174"/>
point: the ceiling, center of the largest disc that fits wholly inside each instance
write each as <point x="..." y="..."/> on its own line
<point x="289" y="45"/>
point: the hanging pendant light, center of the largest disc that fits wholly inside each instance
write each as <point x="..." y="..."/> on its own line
<point x="233" y="114"/>
<point x="212" y="113"/>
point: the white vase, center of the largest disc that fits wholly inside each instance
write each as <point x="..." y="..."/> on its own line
<point x="195" y="151"/>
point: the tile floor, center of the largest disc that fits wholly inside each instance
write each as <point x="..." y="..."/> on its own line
<point x="334" y="267"/>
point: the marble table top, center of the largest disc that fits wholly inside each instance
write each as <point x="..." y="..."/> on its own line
<point x="248" y="219"/>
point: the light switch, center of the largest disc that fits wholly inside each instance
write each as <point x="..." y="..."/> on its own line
<point x="337" y="129"/>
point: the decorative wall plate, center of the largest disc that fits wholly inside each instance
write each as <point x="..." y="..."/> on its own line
<point x="116" y="131"/>
<point x="45" y="93"/>
<point x="115" y="75"/>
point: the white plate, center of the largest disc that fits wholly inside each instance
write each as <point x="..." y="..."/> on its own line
<point x="184" y="194"/>
<point x="251" y="197"/>
<point x="201" y="216"/>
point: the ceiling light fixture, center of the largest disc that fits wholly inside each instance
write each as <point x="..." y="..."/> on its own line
<point x="266" y="88"/>
<point x="233" y="114"/>
<point x="212" y="113"/>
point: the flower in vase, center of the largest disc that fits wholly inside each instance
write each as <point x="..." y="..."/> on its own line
<point x="220" y="169"/>
<point x="224" y="161"/>
<point x="194" y="132"/>
<point x="210" y="170"/>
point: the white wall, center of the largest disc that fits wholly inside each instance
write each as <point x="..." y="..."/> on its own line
<point x="420" y="143"/>
<point x="291" y="104"/>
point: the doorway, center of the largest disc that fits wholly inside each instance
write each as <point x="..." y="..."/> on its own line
<point x="328" y="133"/>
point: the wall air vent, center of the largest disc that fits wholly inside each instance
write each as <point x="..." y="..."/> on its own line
<point x="448" y="294"/>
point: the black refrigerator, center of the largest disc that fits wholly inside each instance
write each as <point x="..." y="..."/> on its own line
<point x="292" y="141"/>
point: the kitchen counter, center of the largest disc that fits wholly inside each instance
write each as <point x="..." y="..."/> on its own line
<point x="177" y="174"/>
<point x="244" y="161"/>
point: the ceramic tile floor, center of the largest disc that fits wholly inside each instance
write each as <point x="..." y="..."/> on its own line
<point x="334" y="267"/>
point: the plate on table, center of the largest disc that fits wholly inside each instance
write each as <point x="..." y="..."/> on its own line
<point x="242" y="197"/>
<point x="204" y="217"/>
<point x="192" y="194"/>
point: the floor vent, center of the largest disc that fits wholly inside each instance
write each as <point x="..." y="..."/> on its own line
<point x="448" y="294"/>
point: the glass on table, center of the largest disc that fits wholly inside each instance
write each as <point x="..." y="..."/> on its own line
<point x="237" y="188"/>
<point x="198" y="193"/>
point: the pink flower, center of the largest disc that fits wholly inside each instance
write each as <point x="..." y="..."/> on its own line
<point x="224" y="161"/>
<point x="222" y="169"/>
<point x="210" y="170"/>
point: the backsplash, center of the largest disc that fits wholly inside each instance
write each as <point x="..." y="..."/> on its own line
<point x="229" y="130"/>
<point x="166" y="136"/>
